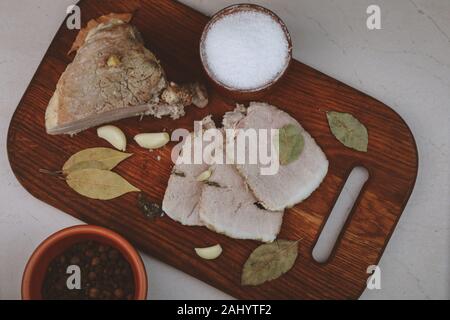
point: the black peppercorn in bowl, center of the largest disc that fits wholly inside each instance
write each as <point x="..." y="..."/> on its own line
<point x="85" y="262"/>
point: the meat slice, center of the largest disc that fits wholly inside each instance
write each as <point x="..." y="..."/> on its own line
<point x="183" y="190"/>
<point x="227" y="206"/>
<point x="113" y="76"/>
<point x="183" y="193"/>
<point x="294" y="182"/>
<point x="232" y="118"/>
<point x="223" y="202"/>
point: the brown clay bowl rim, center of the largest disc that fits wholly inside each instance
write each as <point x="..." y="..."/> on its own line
<point x="119" y="242"/>
<point x="230" y="10"/>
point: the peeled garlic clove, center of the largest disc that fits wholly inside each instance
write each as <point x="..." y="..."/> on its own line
<point x="113" y="61"/>
<point x="204" y="176"/>
<point x="152" y="140"/>
<point x="209" y="253"/>
<point x="114" y="136"/>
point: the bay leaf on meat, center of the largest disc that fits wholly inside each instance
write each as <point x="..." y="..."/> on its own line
<point x="290" y="144"/>
<point x="348" y="130"/>
<point x="99" y="184"/>
<point x="95" y="158"/>
<point x="269" y="261"/>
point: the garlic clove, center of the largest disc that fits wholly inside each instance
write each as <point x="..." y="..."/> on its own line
<point x="114" y="136"/>
<point x="204" y="176"/>
<point x="152" y="140"/>
<point x="209" y="253"/>
<point x="113" y="61"/>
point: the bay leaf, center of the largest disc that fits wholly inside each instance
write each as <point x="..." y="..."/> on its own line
<point x="95" y="158"/>
<point x="90" y="164"/>
<point x="348" y="130"/>
<point x="99" y="184"/>
<point x="269" y="261"/>
<point x="290" y="144"/>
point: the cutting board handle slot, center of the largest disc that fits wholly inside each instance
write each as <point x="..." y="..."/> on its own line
<point x="337" y="219"/>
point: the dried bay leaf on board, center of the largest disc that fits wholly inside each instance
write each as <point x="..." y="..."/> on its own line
<point x="95" y="158"/>
<point x="99" y="184"/>
<point x="269" y="261"/>
<point x="348" y="130"/>
<point x="290" y="144"/>
<point x="90" y="164"/>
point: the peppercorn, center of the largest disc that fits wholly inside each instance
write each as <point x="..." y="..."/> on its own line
<point x="93" y="293"/>
<point x="75" y="260"/>
<point x="105" y="274"/>
<point x="118" y="293"/>
<point x="95" y="261"/>
<point x="113" y="254"/>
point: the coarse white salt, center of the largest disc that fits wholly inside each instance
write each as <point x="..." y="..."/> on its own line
<point x="246" y="50"/>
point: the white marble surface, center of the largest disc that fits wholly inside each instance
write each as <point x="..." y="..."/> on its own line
<point x="406" y="65"/>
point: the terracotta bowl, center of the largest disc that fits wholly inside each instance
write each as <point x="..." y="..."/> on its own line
<point x="238" y="95"/>
<point x="57" y="243"/>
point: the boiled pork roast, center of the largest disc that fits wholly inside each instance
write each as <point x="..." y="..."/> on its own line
<point x="183" y="190"/>
<point x="294" y="182"/>
<point x="222" y="203"/>
<point x="227" y="206"/>
<point x="113" y="76"/>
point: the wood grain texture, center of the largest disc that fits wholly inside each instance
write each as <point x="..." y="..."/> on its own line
<point x="173" y="31"/>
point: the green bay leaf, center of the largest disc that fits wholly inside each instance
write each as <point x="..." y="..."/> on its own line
<point x="269" y="261"/>
<point x="348" y="130"/>
<point x="290" y="144"/>
<point x="99" y="184"/>
<point x="95" y="158"/>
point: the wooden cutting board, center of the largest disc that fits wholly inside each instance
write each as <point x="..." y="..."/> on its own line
<point x="172" y="31"/>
